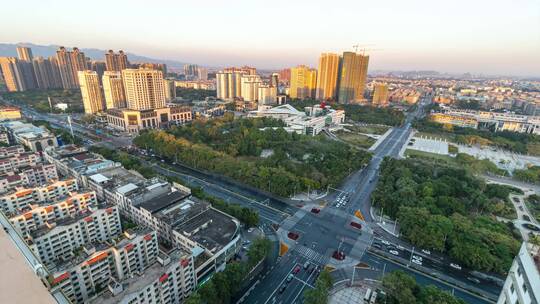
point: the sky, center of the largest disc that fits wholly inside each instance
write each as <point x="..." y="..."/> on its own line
<point x="478" y="36"/>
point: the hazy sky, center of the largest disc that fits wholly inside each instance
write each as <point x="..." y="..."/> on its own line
<point x="483" y="36"/>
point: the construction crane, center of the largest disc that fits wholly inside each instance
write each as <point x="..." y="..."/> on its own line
<point x="363" y="48"/>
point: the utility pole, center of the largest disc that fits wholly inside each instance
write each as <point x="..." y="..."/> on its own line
<point x="412" y="253"/>
<point x="70" y="126"/>
<point x="50" y="102"/>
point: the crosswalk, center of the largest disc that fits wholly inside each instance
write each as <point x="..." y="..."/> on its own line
<point x="312" y="255"/>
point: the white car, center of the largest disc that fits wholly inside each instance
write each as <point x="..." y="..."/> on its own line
<point x="394" y="252"/>
<point x="385" y="242"/>
<point x="456" y="266"/>
<point x="415" y="257"/>
<point x="400" y="247"/>
<point x="418" y="262"/>
<point x="426" y="251"/>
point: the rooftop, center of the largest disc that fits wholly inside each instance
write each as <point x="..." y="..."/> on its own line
<point x="196" y="220"/>
<point x="163" y="201"/>
<point x="137" y="283"/>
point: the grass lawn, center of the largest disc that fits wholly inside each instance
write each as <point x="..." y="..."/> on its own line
<point x="369" y="129"/>
<point x="356" y="139"/>
<point x="438" y="158"/>
<point x="533" y="149"/>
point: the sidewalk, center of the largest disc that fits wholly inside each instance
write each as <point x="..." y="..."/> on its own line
<point x="386" y="225"/>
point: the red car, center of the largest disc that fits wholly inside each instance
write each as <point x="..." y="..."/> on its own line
<point x="356" y="225"/>
<point x="293" y="235"/>
<point x="296" y="269"/>
<point x="315" y="210"/>
<point x="340" y="256"/>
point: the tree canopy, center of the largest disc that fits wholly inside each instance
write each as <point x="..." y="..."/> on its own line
<point x="258" y="152"/>
<point x="448" y="210"/>
<point x="402" y="288"/>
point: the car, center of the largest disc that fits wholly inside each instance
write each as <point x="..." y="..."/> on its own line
<point x="376" y="245"/>
<point x="455" y="266"/>
<point x="250" y="230"/>
<point x="426" y="251"/>
<point x="296" y="269"/>
<point x="306" y="265"/>
<point x="385" y="242"/>
<point x="474" y="280"/>
<point x="416" y="257"/>
<point x="356" y="225"/>
<point x="282" y="288"/>
<point x="290" y="277"/>
<point x="394" y="252"/>
<point x="293" y="236"/>
<point x="418" y="262"/>
<point x="400" y="247"/>
<point x="315" y="210"/>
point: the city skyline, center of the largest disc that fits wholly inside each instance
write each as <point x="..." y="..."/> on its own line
<point x="492" y="38"/>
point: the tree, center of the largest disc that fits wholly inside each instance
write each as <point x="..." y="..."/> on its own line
<point x="319" y="294"/>
<point x="400" y="288"/>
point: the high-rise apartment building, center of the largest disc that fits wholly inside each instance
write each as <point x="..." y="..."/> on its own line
<point x="250" y="87"/>
<point x="303" y="82"/>
<point x="24" y="53"/>
<point x="229" y="84"/>
<point x="12" y="73"/>
<point x="26" y="67"/>
<point x="154" y="66"/>
<point x="144" y="89"/>
<point x="274" y="80"/>
<point x="352" y="77"/>
<point x="327" y="78"/>
<point x="285" y="76"/>
<point x="202" y="73"/>
<point x="69" y="64"/>
<point x="113" y="88"/>
<point x="190" y="71"/>
<point x="99" y="67"/>
<point x="47" y="74"/>
<point x="116" y="62"/>
<point x="380" y="94"/>
<point x="91" y="92"/>
<point x="170" y="89"/>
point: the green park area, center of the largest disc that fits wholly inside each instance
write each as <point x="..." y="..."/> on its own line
<point x="449" y="210"/>
<point x="38" y="99"/>
<point x="258" y="152"/>
<point x="356" y="139"/>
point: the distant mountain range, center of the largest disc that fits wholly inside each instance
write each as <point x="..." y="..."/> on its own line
<point x="10" y="49"/>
